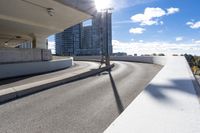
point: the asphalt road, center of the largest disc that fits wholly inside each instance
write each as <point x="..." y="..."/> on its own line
<point x="84" y="106"/>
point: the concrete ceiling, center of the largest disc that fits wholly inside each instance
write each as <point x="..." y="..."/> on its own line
<point x="41" y="17"/>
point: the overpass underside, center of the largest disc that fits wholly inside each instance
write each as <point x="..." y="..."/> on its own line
<point x="32" y="21"/>
<point x="35" y="20"/>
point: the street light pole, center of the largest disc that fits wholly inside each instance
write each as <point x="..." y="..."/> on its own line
<point x="105" y="33"/>
<point x="107" y="43"/>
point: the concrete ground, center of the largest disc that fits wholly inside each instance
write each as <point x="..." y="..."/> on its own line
<point x="84" y="106"/>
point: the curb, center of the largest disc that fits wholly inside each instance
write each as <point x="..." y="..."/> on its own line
<point x="30" y="88"/>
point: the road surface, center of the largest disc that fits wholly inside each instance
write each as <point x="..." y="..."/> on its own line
<point x="84" y="106"/>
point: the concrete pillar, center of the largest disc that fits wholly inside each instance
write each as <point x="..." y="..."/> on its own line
<point x="39" y="42"/>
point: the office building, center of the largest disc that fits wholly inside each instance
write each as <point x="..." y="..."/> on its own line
<point x="68" y="41"/>
<point x="86" y="40"/>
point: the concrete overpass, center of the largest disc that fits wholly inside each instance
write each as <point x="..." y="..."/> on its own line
<point x="33" y="21"/>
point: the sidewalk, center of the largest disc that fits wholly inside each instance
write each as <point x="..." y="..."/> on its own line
<point x="76" y="69"/>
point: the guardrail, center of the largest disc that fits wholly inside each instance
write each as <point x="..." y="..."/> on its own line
<point x="169" y="104"/>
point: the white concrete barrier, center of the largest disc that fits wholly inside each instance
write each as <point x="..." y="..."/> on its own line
<point x="169" y="104"/>
<point x="21" y="69"/>
<point x="160" y="60"/>
<point x="19" y="55"/>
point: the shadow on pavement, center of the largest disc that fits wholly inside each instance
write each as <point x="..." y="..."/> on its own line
<point x="185" y="86"/>
<point x="116" y="94"/>
<point x="11" y="80"/>
<point x="23" y="77"/>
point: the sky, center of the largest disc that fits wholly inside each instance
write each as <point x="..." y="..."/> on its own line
<point x="155" y="26"/>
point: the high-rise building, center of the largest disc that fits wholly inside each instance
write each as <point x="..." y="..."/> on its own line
<point x="87" y="37"/>
<point x="68" y="41"/>
<point x="101" y="30"/>
<point x="86" y="40"/>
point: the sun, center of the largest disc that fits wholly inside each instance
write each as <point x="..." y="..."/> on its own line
<point x="102" y="4"/>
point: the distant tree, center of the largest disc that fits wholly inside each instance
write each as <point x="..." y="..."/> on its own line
<point x="197" y="61"/>
<point x="154" y="54"/>
<point x="161" y="54"/>
<point x="190" y="59"/>
<point x="195" y="69"/>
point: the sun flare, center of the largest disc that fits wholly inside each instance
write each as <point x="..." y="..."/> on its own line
<point x="102" y="4"/>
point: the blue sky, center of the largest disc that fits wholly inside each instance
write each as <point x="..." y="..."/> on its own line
<point x="156" y="26"/>
<point x="174" y="25"/>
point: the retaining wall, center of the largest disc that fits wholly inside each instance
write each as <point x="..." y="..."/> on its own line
<point x="21" y="69"/>
<point x="17" y="55"/>
<point x="143" y="59"/>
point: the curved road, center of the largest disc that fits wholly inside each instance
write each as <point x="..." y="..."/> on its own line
<point x="84" y="106"/>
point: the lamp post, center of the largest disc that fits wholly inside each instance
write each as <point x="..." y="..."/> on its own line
<point x="105" y="33"/>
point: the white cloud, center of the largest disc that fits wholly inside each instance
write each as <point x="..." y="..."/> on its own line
<point x="148" y="18"/>
<point x="172" y="10"/>
<point x="141" y="41"/>
<point x="155" y="47"/>
<point x="194" y="25"/>
<point x="189" y="23"/>
<point x="136" y="30"/>
<point x="161" y="22"/>
<point x="180" y="38"/>
<point x="123" y="22"/>
<point x="197" y="42"/>
<point x="151" y="15"/>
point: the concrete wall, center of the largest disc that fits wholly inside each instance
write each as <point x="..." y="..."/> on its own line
<point x="160" y="60"/>
<point x="20" y="69"/>
<point x="169" y="103"/>
<point x="13" y="55"/>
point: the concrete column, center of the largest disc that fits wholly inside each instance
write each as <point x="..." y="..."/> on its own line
<point x="40" y="42"/>
<point x="34" y="42"/>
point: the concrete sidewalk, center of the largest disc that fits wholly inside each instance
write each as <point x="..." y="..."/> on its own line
<point x="78" y="67"/>
<point x="41" y="82"/>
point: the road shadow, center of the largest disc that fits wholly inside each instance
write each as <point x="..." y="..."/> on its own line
<point x="24" y="77"/>
<point x="186" y="86"/>
<point x="12" y="80"/>
<point x="120" y="106"/>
